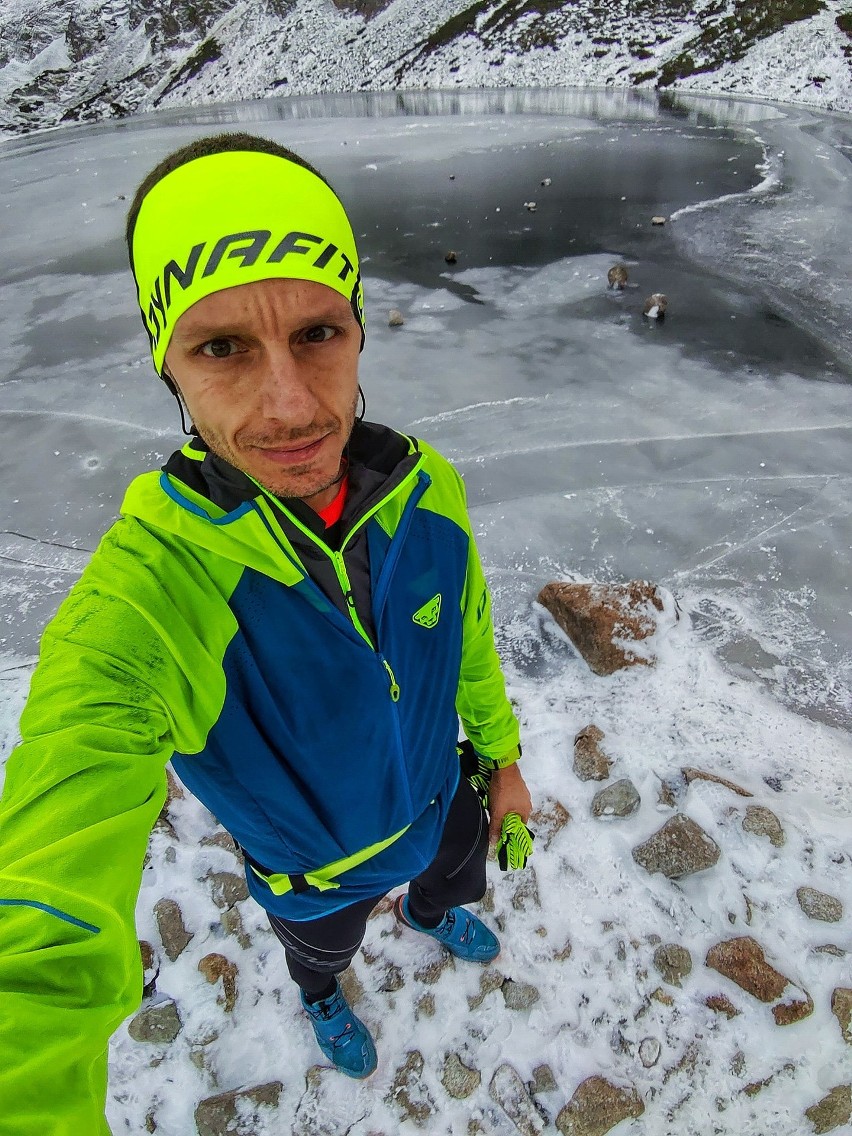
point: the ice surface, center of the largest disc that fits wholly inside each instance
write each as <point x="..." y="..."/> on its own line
<point x="709" y="453"/>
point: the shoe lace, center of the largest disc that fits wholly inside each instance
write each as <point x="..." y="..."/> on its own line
<point x="447" y="928"/>
<point x="329" y="1009"/>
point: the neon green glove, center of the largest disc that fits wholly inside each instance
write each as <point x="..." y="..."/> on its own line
<point x="515" y="845"/>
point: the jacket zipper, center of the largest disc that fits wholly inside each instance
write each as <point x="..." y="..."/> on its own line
<point x="383" y="582"/>
<point x="340" y="565"/>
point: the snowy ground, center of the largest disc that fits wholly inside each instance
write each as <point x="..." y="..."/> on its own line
<point x="709" y="453"/>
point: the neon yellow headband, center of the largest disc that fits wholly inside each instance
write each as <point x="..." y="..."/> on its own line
<point x="234" y="218"/>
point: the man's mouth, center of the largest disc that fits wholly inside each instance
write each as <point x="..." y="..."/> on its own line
<point x="294" y="454"/>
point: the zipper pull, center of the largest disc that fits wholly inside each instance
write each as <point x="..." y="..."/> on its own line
<point x="394" y="689"/>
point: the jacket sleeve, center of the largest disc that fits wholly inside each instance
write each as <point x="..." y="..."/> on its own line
<point x="486" y="713"/>
<point x="82" y="793"/>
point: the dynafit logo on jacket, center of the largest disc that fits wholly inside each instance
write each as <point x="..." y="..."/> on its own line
<point x="430" y="613"/>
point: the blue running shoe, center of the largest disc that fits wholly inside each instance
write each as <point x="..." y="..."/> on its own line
<point x="343" y="1038"/>
<point x="459" y="931"/>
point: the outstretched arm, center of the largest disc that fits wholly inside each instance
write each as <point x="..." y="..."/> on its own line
<point x="81" y="796"/>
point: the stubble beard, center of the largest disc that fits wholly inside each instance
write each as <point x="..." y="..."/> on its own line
<point x="293" y="483"/>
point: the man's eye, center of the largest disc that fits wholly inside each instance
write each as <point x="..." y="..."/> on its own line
<point x="319" y="334"/>
<point x="217" y="348"/>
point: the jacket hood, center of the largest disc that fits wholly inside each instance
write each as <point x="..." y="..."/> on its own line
<point x="203" y="500"/>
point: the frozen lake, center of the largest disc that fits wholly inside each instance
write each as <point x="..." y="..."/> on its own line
<point x="709" y="453"/>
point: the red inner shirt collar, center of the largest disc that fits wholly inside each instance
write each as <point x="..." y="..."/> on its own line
<point x="332" y="513"/>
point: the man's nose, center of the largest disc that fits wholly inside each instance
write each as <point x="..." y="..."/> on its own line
<point x="287" y="391"/>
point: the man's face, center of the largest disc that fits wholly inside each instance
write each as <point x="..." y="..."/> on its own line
<point x="269" y="372"/>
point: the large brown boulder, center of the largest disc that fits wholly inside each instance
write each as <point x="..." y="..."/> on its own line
<point x="743" y="961"/>
<point x="611" y="625"/>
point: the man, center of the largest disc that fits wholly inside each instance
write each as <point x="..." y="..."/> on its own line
<point x="293" y="612"/>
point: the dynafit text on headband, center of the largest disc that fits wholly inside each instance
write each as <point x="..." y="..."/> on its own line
<point x="233" y="218"/>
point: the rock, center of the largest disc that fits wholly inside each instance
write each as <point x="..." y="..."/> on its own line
<point x="173" y="935"/>
<point x="655" y="306"/>
<point x="383" y="907"/>
<point x="395" y="318"/>
<point x="611" y="625"/>
<point x="763" y="822"/>
<point x="660" y="995"/>
<point x="489" y="980"/>
<point x="649" y="1051"/>
<point x="755" y="1087"/>
<point x="432" y="971"/>
<point x="671" y="792"/>
<point x="222" y="839"/>
<point x="173" y="793"/>
<point x="795" y="1010"/>
<point x="743" y="961"/>
<point x="351" y="985"/>
<point x="451" y="257"/>
<point x="564" y="952"/>
<point x="699" y="775"/>
<point x="201" y="1058"/>
<point x="678" y="849"/>
<point x="721" y="1004"/>
<point x="237" y="1111"/>
<point x="327" y="1107"/>
<point x="157" y="1024"/>
<point x="818" y="905"/>
<point x="150" y="969"/>
<point x="738" y="1063"/>
<point x="658" y="220"/>
<point x="673" y="962"/>
<point x="425" y="1007"/>
<point x="547" y="821"/>
<point x="509" y="1091"/>
<point x="459" y="1081"/>
<point x="227" y="888"/>
<point x="525" y="890"/>
<point x="214" y="967"/>
<point x="619" y="799"/>
<point x="841" y="1007"/>
<point x="174" y="790"/>
<point x="409" y="1093"/>
<point x="543" y="1080"/>
<point x="832" y="1111"/>
<point x="232" y="923"/>
<point x="596" y="1107"/>
<point x="519" y="995"/>
<point x="685" y="1064"/>
<point x="590" y="762"/>
<point x="393" y="979"/>
<point x="617" y="276"/>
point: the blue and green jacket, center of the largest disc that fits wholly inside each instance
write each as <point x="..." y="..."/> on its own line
<point x="309" y="695"/>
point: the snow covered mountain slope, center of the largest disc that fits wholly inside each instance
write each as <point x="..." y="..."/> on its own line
<point x="82" y="60"/>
